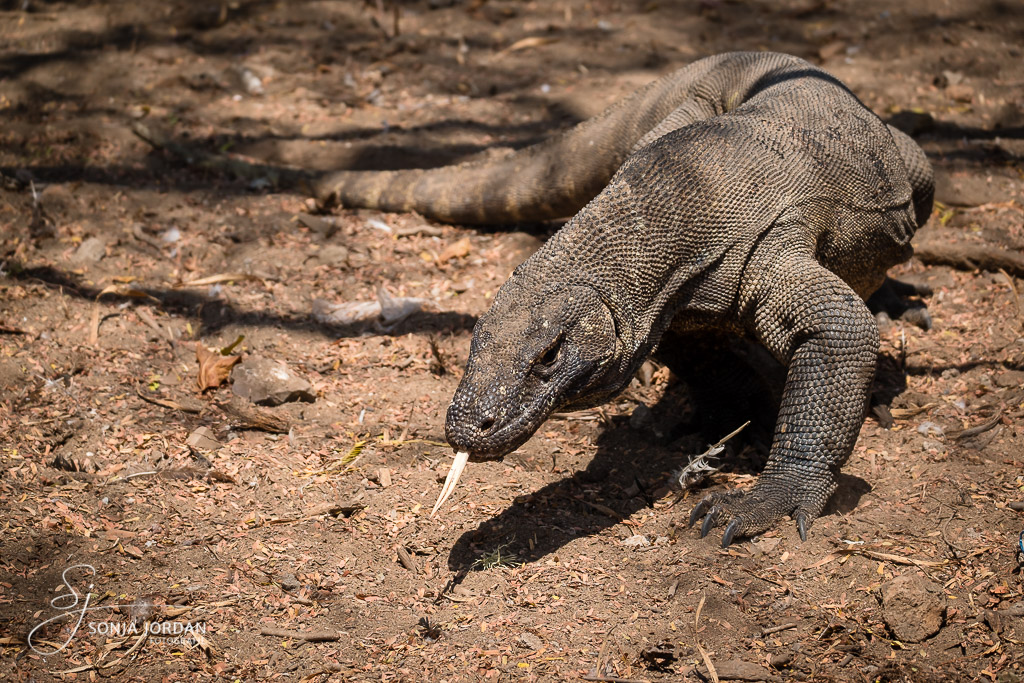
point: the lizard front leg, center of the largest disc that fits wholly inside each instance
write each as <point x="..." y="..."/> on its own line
<point x="814" y="323"/>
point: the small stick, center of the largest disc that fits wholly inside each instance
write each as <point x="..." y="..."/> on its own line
<point x="595" y="674"/>
<point x="696" y="619"/>
<point x="405" y="557"/>
<point x="982" y="428"/>
<point x="776" y="629"/>
<point x="308" y="636"/>
<point x="1016" y="294"/>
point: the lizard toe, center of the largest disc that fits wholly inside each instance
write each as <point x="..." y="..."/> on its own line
<point x="802" y="522"/>
<point x="710" y="520"/>
<point x="730" y="532"/>
<point x="699" y="510"/>
<point x="747" y="514"/>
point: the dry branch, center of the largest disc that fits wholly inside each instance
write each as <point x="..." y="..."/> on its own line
<point x="308" y="636"/>
<point x="970" y="256"/>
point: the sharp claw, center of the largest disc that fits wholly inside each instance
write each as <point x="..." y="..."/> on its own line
<point x="709" y="521"/>
<point x="801" y="525"/>
<point x="697" y="513"/>
<point x="730" y="533"/>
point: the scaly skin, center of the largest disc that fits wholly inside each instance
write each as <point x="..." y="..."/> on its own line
<point x="767" y="201"/>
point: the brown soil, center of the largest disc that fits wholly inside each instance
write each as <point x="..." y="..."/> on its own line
<point x="533" y="571"/>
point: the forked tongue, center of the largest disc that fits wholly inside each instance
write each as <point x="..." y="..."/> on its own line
<point x="458" y="465"/>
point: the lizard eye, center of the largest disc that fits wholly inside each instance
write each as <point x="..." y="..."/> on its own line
<point x="550" y="355"/>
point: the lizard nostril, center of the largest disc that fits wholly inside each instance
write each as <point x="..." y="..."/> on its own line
<point x="486" y="424"/>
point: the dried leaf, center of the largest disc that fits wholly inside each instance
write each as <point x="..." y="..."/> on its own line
<point x="132" y="292"/>
<point x="214" y="369"/>
<point x="523" y="44"/>
<point x="458" y="249"/>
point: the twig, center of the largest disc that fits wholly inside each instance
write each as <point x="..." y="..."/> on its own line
<point x="166" y="403"/>
<point x="595" y="673"/>
<point x="423" y="229"/>
<point x="970" y="257"/>
<point x="696" y="619"/>
<point x="982" y="428"/>
<point x="328" y="669"/>
<point x="889" y="557"/>
<point x="246" y="416"/>
<point x="132" y="476"/>
<point x="98" y="665"/>
<point x="406" y="558"/>
<point x="1016" y="294"/>
<point x="146" y="239"/>
<point x="151" y="321"/>
<point x="776" y="629"/>
<point x="308" y="636"/>
<point x="698" y="468"/>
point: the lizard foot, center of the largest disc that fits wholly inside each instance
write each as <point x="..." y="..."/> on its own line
<point x="747" y="514"/>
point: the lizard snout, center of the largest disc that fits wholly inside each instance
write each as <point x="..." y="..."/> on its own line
<point x="474" y="430"/>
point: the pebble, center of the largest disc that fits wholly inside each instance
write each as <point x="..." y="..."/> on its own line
<point x="913" y="607"/>
<point x="268" y="382"/>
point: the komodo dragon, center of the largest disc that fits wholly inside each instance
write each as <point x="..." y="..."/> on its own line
<point x="749" y="193"/>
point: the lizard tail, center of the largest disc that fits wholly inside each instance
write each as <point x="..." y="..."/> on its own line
<point x="554" y="178"/>
<point x="551" y="179"/>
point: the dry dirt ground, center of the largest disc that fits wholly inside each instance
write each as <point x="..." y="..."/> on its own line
<point x="307" y="552"/>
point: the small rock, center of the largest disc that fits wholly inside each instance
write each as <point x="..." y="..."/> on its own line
<point x="268" y="382"/>
<point x="1011" y="115"/>
<point x="248" y="81"/>
<point x="89" y="251"/>
<point x="530" y="641"/>
<point x="639" y="540"/>
<point x="288" y="581"/>
<point x="930" y="444"/>
<point x="948" y="78"/>
<point x="56" y="200"/>
<point x="323" y="227"/>
<point x="764" y="545"/>
<point x="203" y="440"/>
<point x="913" y="607"/>
<point x="143" y="609"/>
<point x="831" y="49"/>
<point x="929" y="428"/>
<point x="641" y="417"/>
<point x="1010" y="378"/>
<point x="961" y="93"/>
<point x="332" y="255"/>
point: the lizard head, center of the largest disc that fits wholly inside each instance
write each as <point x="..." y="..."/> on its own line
<point x="531" y="354"/>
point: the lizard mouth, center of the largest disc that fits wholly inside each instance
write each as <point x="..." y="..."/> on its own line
<point x="491" y="437"/>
